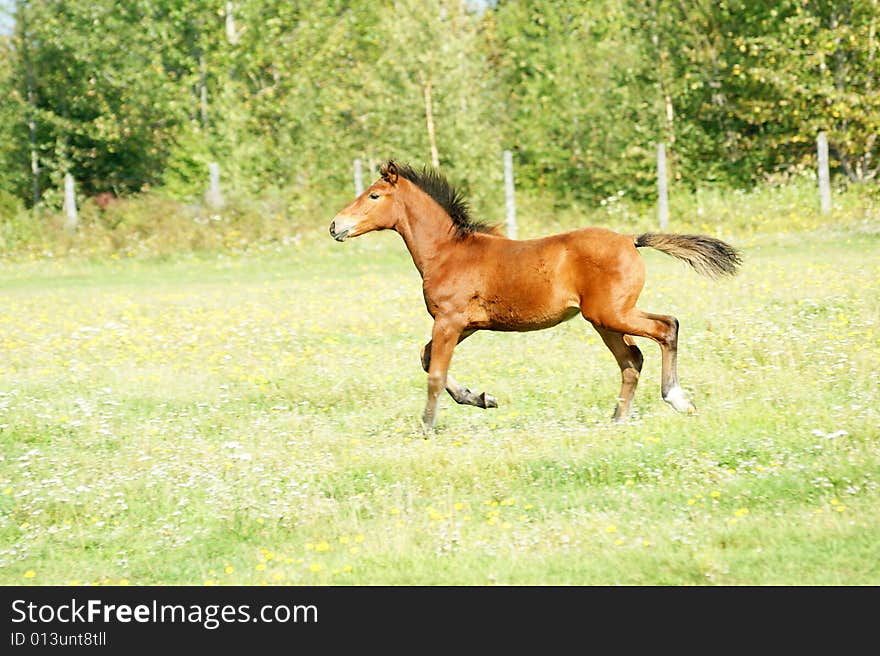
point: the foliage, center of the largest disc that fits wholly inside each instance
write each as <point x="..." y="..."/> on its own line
<point x="582" y="125"/>
<point x="752" y="85"/>
<point x="104" y="100"/>
<point x="131" y="96"/>
<point x="13" y="154"/>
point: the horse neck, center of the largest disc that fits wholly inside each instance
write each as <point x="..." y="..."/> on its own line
<point x="427" y="231"/>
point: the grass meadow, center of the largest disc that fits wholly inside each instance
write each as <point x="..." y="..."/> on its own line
<point x="249" y="418"/>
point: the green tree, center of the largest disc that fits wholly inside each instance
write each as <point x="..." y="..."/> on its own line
<point x="103" y="108"/>
<point x="14" y="182"/>
<point x="142" y="93"/>
<point x="578" y="112"/>
<point x="751" y="85"/>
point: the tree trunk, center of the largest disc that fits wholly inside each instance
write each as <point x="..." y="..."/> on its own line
<point x="429" y="117"/>
<point x="869" y="171"/>
<point x="232" y="33"/>
<point x="203" y="91"/>
<point x="21" y="16"/>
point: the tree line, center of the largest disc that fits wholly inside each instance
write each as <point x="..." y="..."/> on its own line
<point x="137" y="95"/>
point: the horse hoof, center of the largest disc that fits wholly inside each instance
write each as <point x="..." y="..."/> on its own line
<point x="488" y="401"/>
<point x="680" y="403"/>
<point x="428" y="425"/>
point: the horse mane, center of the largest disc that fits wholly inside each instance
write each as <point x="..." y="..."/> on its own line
<point x="447" y="197"/>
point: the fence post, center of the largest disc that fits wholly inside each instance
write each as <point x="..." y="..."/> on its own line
<point x="662" y="190"/>
<point x="358" y="177"/>
<point x="508" y="194"/>
<point x="214" y="197"/>
<point x="824" y="177"/>
<point x="70" y="204"/>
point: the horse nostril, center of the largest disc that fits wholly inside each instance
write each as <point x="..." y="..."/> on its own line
<point x="339" y="233"/>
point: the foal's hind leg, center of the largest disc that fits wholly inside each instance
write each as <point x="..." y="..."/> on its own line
<point x="630" y="359"/>
<point x="461" y="394"/>
<point x="672" y="392"/>
<point x="663" y="329"/>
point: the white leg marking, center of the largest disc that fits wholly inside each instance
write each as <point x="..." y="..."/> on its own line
<point x="678" y="400"/>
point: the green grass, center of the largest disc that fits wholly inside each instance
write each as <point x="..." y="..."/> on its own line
<point x="249" y="418"/>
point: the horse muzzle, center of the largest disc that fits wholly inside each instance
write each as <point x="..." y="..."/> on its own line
<point x="341" y="234"/>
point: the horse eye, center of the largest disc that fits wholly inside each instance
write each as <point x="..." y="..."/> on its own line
<point x="374" y="196"/>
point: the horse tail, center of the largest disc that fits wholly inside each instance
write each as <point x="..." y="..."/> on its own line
<point x="708" y="256"/>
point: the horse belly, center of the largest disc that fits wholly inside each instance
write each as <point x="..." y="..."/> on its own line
<point x="516" y="311"/>
<point x="540" y="321"/>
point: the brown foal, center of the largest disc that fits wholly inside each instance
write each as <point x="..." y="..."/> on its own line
<point x="474" y="279"/>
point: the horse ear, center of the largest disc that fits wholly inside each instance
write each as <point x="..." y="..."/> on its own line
<point x="389" y="172"/>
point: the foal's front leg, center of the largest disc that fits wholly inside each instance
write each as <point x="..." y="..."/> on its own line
<point x="461" y="394"/>
<point x="444" y="337"/>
